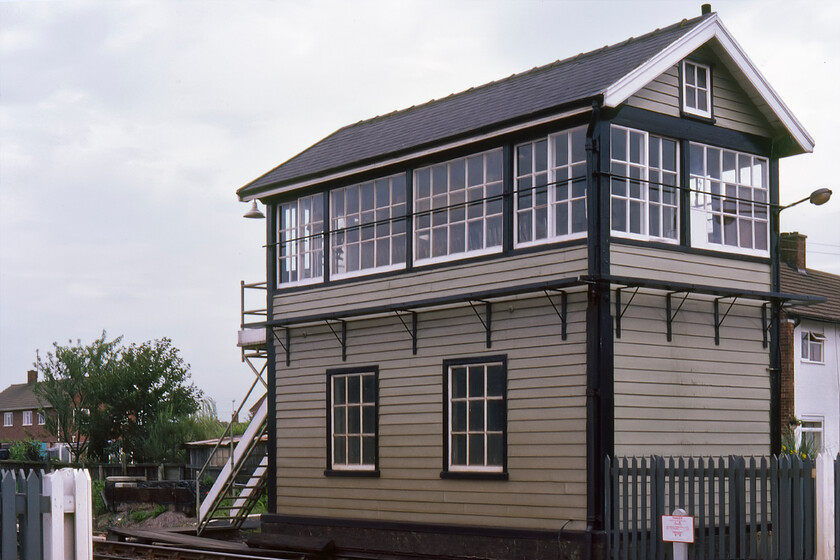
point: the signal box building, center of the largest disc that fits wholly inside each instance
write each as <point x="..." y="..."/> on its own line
<point x="472" y="302"/>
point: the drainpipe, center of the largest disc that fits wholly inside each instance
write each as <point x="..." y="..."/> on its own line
<point x="593" y="405"/>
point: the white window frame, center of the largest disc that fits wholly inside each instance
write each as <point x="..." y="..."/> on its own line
<point x="356" y="228"/>
<point x="26" y="419"/>
<point x="693" y="74"/>
<point x="811" y="340"/>
<point x="722" y="195"/>
<point x="812" y="425"/>
<point x="300" y="235"/>
<point x="559" y="181"/>
<point x="449" y="203"/>
<point x="8" y="419"/>
<point x="626" y="173"/>
<point x="42" y="419"/>
<point x="340" y="431"/>
<point x="455" y="397"/>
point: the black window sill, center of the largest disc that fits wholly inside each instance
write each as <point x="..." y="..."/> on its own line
<point x="463" y="475"/>
<point x="352" y="474"/>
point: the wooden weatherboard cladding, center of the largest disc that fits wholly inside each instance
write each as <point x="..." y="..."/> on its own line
<point x="546" y="485"/>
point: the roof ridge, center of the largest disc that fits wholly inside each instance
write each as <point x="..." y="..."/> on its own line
<point x="535" y="70"/>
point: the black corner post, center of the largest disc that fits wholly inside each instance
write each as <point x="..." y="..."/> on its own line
<point x="775" y="315"/>
<point x="599" y="332"/>
<point x="271" y="357"/>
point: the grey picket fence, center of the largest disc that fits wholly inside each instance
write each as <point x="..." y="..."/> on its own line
<point x="45" y="516"/>
<point x="756" y="508"/>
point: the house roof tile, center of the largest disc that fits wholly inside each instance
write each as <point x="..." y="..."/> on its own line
<point x="813" y="282"/>
<point x="529" y="94"/>
<point x="19" y="397"/>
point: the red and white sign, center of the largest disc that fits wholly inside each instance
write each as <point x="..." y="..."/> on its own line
<point x="678" y="528"/>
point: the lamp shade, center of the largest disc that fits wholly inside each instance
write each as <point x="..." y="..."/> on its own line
<point x="254" y="212"/>
<point x="820" y="196"/>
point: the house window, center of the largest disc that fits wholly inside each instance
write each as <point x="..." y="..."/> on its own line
<point x="8" y="419"/>
<point x="696" y="89"/>
<point x="27" y="418"/>
<point x="813" y="347"/>
<point x="551" y="188"/>
<point x="458" y="208"/>
<point x="368" y="227"/>
<point x="811" y="434"/>
<point x="476" y="415"/>
<point x="353" y="419"/>
<point x="41" y="419"/>
<point x="644" y="185"/>
<point x="729" y="193"/>
<point x="301" y="240"/>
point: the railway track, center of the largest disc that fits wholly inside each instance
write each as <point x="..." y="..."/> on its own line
<point x="113" y="550"/>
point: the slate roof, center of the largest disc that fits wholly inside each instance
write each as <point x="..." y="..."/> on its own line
<point x="816" y="283"/>
<point x="19" y="397"/>
<point x="564" y="83"/>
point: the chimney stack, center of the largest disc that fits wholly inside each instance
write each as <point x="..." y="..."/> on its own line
<point x="792" y="251"/>
<point x="705" y="9"/>
<point x="31" y="376"/>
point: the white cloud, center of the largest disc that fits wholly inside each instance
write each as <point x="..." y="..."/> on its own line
<point x="126" y="127"/>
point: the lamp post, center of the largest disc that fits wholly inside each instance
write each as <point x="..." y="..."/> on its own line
<point x="818" y="197"/>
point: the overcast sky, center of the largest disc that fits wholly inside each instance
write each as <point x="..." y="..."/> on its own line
<point x="126" y="128"/>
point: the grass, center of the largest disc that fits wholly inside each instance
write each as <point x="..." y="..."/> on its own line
<point x="140" y="516"/>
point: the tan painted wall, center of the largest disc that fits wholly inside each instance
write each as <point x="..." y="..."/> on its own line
<point x="546" y="420"/>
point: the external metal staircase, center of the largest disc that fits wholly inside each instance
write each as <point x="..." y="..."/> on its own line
<point x="242" y="479"/>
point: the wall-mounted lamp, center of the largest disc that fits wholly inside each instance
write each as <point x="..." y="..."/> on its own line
<point x="817" y="198"/>
<point x="255" y="212"/>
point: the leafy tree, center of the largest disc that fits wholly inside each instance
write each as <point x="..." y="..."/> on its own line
<point x="109" y="395"/>
<point x="69" y="374"/>
<point x="148" y="392"/>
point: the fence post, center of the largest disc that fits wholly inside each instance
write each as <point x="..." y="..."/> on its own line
<point x="65" y="537"/>
<point x="8" y="516"/>
<point x="84" y="514"/>
<point x="825" y="507"/>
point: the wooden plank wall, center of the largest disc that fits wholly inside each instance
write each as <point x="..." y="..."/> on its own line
<point x="690" y="397"/>
<point x="427" y="283"/>
<point x="546" y="419"/>
<point x="692" y="268"/>
<point x="733" y="109"/>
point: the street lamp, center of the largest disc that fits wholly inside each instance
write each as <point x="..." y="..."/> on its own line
<point x="255" y="212"/>
<point x="817" y="198"/>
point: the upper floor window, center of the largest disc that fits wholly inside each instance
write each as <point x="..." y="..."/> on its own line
<point x="301" y="240"/>
<point x="8" y="419"/>
<point x="27" y="418"/>
<point x="696" y="89"/>
<point x="368" y="227"/>
<point x="476" y="415"/>
<point x="813" y="347"/>
<point x="353" y="426"/>
<point x="458" y="208"/>
<point x="41" y="419"/>
<point x="551" y="188"/>
<point x="644" y="185"/>
<point x="729" y="196"/>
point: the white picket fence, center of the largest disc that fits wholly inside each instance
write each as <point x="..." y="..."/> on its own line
<point x="46" y="516"/>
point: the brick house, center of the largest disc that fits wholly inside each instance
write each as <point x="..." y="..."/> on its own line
<point x="22" y="414"/>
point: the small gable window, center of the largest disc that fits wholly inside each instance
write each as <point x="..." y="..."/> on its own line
<point x="696" y="89"/>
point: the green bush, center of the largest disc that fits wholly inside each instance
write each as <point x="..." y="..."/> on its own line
<point x="96" y="489"/>
<point x="26" y="451"/>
